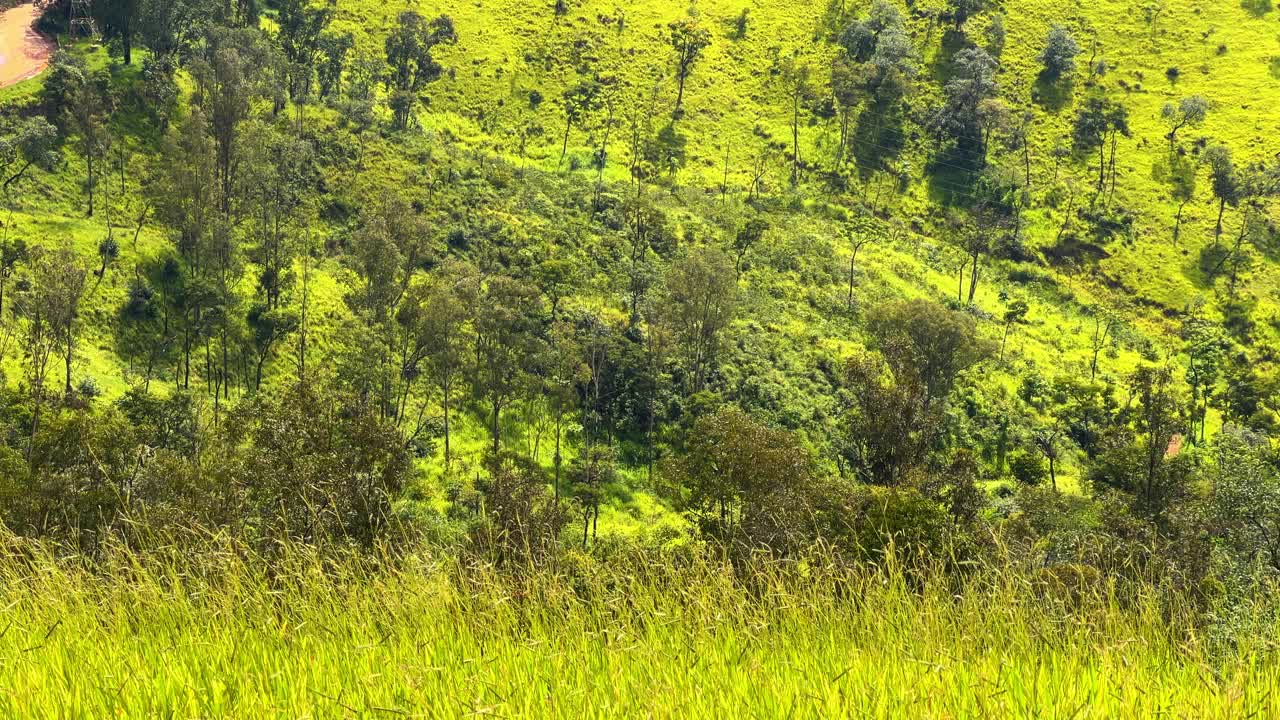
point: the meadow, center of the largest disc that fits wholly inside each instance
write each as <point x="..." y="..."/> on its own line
<point x="325" y="636"/>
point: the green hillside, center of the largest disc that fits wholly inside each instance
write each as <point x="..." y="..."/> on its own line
<point x="944" y="305"/>
<point x="497" y="116"/>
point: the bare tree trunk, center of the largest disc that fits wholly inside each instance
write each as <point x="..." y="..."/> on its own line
<point x="973" y="278"/>
<point x="1177" y="221"/>
<point x="448" y="458"/>
<point x="497" y="432"/>
<point x="795" y="139"/>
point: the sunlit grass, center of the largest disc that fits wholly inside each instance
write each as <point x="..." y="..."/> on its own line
<point x="218" y="635"/>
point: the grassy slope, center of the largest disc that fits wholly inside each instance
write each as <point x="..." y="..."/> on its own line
<point x="322" y="639"/>
<point x="733" y="103"/>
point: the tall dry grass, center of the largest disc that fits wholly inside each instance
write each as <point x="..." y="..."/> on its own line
<point x="224" y="633"/>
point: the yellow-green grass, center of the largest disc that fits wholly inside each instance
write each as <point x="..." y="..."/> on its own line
<point x="218" y="636"/>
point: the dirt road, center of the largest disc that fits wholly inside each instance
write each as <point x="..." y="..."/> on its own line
<point x="24" y="53"/>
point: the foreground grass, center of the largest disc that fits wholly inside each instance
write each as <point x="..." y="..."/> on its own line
<point x="223" y="638"/>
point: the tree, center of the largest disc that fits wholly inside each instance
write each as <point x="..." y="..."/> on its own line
<point x="1188" y="112"/>
<point x="184" y="188"/>
<point x="958" y="119"/>
<point x="1015" y="313"/>
<point x="108" y="252"/>
<point x="589" y="475"/>
<point x="1245" y="496"/>
<point x="67" y="73"/>
<point x="520" y="525"/>
<point x="333" y="48"/>
<point x="962" y="10"/>
<point x="860" y="37"/>
<point x="858" y="234"/>
<point x="744" y="481"/>
<point x="740" y="24"/>
<point x="389" y="247"/>
<point x="846" y="90"/>
<point x="558" y="277"/>
<point x="63" y="278"/>
<point x="993" y="218"/>
<point x="1046" y="441"/>
<point x="1227" y="187"/>
<point x="301" y="27"/>
<point x="1206" y="349"/>
<point x="87" y="114"/>
<point x="1140" y="456"/>
<point x="924" y="340"/>
<point x="701" y="298"/>
<point x="1182" y="182"/>
<point x="747" y="237"/>
<point x="277" y="174"/>
<point x="233" y="72"/>
<point x="795" y="76"/>
<point x="312" y="465"/>
<point x="13" y="255"/>
<point x="119" y="23"/>
<point x="688" y="39"/>
<point x="565" y="373"/>
<point x="507" y="336"/>
<point x="891" y="67"/>
<point x="889" y="425"/>
<point x="1097" y="124"/>
<point x="172" y="28"/>
<point x="579" y="102"/>
<point x="1027" y="468"/>
<point x="1105" y="322"/>
<point x="387" y="252"/>
<point x="31" y="142"/>
<point x="445" y="310"/>
<point x="879" y="64"/>
<point x="50" y="307"/>
<point x="409" y="50"/>
<point x="1059" y="54"/>
<point x="269" y="327"/>
<point x="995" y="35"/>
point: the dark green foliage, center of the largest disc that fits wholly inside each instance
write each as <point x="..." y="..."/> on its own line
<point x="301" y="27"/>
<point x="746" y="483"/>
<point x="172" y="28"/>
<point x="1096" y="126"/>
<point x="412" y="67"/>
<point x="740" y="24"/>
<point x="1141" y="456"/>
<point x="334" y="50"/>
<point x="958" y="120"/>
<point x="67" y="75"/>
<point x="1246" y="496"/>
<point x="962" y="10"/>
<point x="925" y="341"/>
<point x="28" y="143"/>
<point x="1059" y="54"/>
<point x="1028" y="468"/>
<point x="890" y="427"/>
<point x="289" y="465"/>
<point x="518" y="522"/>
<point x="119" y="24"/>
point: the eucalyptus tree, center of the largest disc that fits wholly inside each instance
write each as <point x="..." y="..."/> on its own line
<point x="411" y="61"/>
